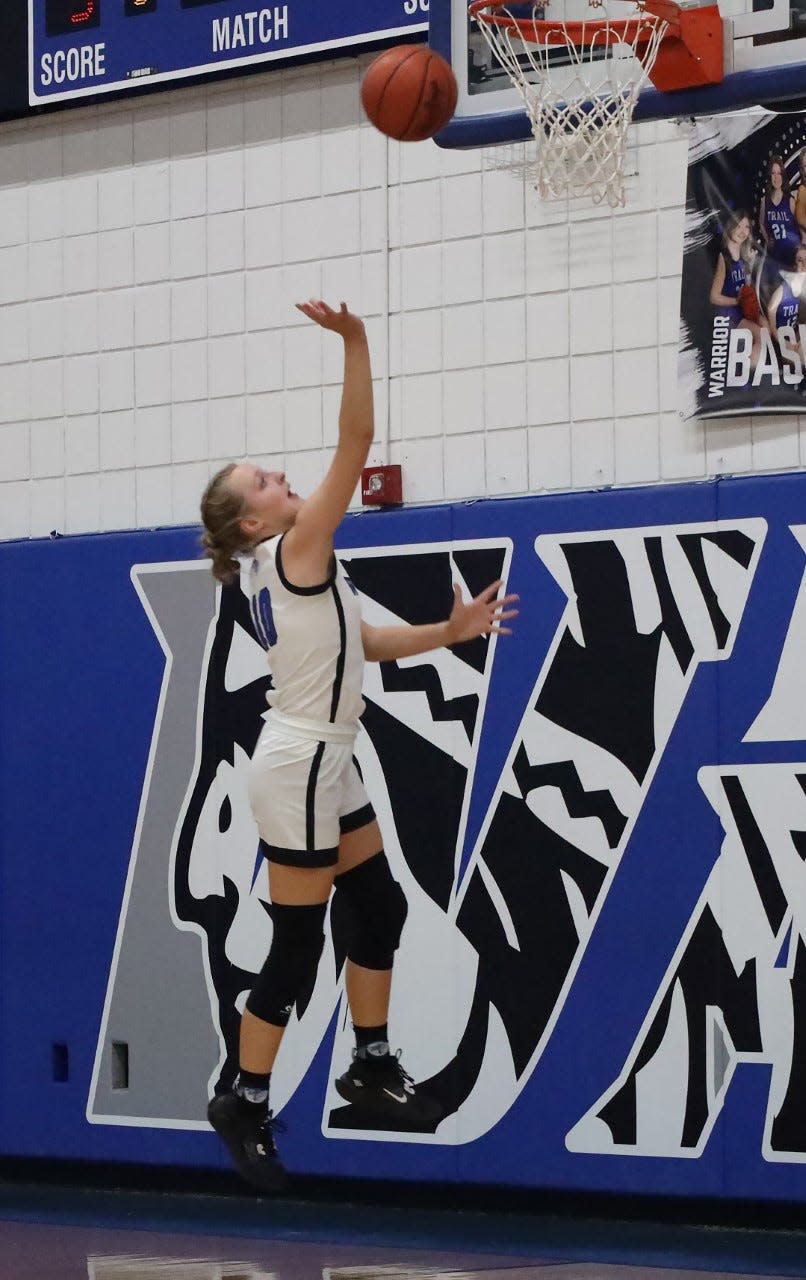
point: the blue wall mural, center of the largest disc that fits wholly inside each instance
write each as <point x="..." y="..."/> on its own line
<point x="599" y="823"/>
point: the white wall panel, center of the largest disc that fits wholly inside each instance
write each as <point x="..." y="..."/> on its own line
<point x="151" y="254"/>
<point x="550" y="458"/>
<point x="47" y="447"/>
<point x="592" y="453"/>
<point x="117" y="442"/>
<point x="15" y="444"/>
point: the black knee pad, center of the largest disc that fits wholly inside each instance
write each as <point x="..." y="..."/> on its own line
<point x="377" y="909"/>
<point x="291" y="964"/>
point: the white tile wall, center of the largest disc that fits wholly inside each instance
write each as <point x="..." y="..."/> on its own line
<point x="47" y="507"/>
<point x="189" y="370"/>
<point x="82" y="508"/>
<point x="265" y="427"/>
<point x="151" y="253"/>
<point x="423" y="465"/>
<point x="80" y="313"/>
<point x="774" y="444"/>
<point x="14" y="330"/>
<point x="550" y="457"/>
<point x="15" y="450"/>
<point x="507" y="464"/>
<point x="189" y="432"/>
<point x="464" y="465"/>
<point x="153" y="497"/>
<point x="592" y="453"/>
<point x="152" y="437"/>
<point x="116" y="320"/>
<point x="82" y="444"/>
<point x="118" y="500"/>
<point x="47" y="448"/>
<point x="226" y="427"/>
<point x="117" y="441"/>
<point x="15" y="511"/>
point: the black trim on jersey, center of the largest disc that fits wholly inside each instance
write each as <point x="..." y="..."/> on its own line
<point x="299" y="857"/>
<point x="302" y="591"/>
<point x="357" y="819"/>
<point x="310" y="798"/>
<point x="340" y="661"/>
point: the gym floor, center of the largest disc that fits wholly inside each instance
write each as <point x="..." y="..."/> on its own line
<point x="68" y="1227"/>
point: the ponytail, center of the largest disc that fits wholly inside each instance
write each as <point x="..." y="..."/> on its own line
<point x="223" y="539"/>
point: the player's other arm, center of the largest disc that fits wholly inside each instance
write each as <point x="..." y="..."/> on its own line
<point x="481" y="616"/>
<point x="800" y="211"/>
<point x="718" y="298"/>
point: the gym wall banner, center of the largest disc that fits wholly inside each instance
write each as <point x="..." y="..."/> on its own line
<point x="743" y="292"/>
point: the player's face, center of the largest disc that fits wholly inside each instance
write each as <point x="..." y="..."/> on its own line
<point x="741" y="231"/>
<point x="800" y="260"/>
<point x="269" y="505"/>
<point x="776" y="177"/>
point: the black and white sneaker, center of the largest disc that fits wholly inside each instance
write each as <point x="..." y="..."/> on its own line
<point x="248" y="1134"/>
<point x="385" y="1093"/>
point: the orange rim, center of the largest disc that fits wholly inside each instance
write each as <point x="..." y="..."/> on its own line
<point x="542" y="31"/>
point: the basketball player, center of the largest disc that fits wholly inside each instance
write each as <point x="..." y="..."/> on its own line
<point x="776" y="216"/>
<point x="732" y="278"/>
<point x="317" y="828"/>
<point x="783" y="311"/>
<point x="800" y="197"/>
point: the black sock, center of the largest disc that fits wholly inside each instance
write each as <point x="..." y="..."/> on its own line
<point x="371" y="1042"/>
<point x="253" y="1087"/>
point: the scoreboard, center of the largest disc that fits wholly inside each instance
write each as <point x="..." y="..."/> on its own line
<point x="78" y="48"/>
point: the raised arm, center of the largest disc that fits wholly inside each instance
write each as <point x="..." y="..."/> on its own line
<point x="477" y="617"/>
<point x="308" y="545"/>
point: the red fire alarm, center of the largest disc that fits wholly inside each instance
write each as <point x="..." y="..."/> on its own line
<point x="381" y="486"/>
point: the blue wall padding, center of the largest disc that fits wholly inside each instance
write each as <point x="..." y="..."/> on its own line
<point x="82" y="671"/>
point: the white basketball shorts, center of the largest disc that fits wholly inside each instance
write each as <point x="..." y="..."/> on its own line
<point x="305" y="790"/>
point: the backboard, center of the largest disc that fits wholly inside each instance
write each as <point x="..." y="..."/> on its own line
<point x="765" y="62"/>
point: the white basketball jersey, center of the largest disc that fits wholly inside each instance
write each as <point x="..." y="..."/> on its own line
<point x="312" y="636"/>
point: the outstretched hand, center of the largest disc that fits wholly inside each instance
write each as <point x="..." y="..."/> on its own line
<point x="480" y="616"/>
<point x="341" y="321"/>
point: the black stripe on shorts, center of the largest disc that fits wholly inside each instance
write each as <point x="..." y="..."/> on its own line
<point x="299" y="857"/>
<point x="357" y="819"/>
<point x="310" y="798"/>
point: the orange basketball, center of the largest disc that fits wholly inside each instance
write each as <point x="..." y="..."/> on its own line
<point x="409" y="92"/>
<point x="747" y="299"/>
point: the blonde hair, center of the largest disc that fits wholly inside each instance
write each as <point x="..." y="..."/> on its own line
<point x="223" y="537"/>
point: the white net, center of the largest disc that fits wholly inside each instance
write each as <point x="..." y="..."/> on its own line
<point x="579" y="84"/>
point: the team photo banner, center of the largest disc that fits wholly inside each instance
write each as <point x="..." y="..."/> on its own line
<point x="743" y="292"/>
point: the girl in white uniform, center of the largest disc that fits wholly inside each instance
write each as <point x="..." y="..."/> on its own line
<point x="317" y="827"/>
<point x="313" y="638"/>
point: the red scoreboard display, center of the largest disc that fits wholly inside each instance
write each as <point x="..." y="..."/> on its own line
<point x="62" y="16"/>
<point x="80" y="48"/>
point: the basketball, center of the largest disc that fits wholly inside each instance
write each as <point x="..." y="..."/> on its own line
<point x="747" y="299"/>
<point x="409" y="92"/>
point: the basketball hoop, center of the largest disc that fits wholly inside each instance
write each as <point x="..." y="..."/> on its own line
<point x="580" y="80"/>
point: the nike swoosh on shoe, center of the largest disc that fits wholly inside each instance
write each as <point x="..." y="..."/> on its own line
<point x="398" y="1097"/>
